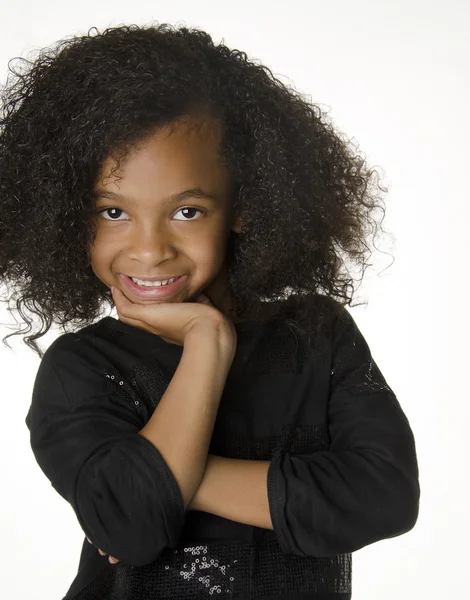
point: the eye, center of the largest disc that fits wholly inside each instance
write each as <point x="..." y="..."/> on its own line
<point x="190" y="209"/>
<point x="105" y="210"/>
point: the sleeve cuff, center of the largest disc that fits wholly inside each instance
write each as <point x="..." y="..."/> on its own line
<point x="277" y="501"/>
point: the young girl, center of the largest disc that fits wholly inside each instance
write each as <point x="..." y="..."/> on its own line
<point x="230" y="432"/>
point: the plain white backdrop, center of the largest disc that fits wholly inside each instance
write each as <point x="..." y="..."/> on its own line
<point x="395" y="77"/>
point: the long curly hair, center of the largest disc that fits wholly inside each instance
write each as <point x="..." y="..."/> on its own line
<point x="307" y="200"/>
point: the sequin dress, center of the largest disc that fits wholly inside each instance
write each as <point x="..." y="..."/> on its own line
<point x="343" y="470"/>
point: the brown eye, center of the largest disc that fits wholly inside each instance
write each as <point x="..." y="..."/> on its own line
<point x="113" y="208"/>
<point x="191" y="210"/>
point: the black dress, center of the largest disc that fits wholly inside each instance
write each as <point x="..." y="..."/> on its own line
<point x="343" y="470"/>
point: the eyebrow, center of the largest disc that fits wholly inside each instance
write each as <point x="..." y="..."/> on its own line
<point x="173" y="199"/>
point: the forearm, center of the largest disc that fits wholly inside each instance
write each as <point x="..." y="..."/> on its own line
<point x="182" y="423"/>
<point x="235" y="489"/>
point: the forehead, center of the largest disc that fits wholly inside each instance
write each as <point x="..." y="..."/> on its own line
<point x="187" y="149"/>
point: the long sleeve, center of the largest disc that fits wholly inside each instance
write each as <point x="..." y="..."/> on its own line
<point x="365" y="487"/>
<point x="86" y="441"/>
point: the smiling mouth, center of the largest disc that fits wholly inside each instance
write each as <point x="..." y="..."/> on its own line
<point x="153" y="291"/>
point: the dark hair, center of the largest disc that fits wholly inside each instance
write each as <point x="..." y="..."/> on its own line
<point x="306" y="199"/>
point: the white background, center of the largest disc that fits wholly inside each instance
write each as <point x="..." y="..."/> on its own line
<point x="394" y="75"/>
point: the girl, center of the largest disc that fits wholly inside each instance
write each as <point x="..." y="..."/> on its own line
<point x="230" y="432"/>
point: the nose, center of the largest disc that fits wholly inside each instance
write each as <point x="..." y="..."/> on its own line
<point x="151" y="245"/>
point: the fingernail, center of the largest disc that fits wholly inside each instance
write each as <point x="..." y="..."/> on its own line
<point x="111" y="560"/>
<point x="89" y="540"/>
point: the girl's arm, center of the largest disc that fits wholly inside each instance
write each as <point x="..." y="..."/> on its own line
<point x="364" y="488"/>
<point x="235" y="489"/>
<point x="181" y="425"/>
<point x="90" y="444"/>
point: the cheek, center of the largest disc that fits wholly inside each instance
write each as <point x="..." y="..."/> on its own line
<point x="104" y="242"/>
<point x="101" y="254"/>
<point x="208" y="256"/>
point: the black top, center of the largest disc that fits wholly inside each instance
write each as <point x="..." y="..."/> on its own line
<point x="343" y="470"/>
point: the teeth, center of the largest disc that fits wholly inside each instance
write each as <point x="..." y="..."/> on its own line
<point x="153" y="284"/>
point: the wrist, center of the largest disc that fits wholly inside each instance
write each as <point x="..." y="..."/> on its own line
<point x="217" y="333"/>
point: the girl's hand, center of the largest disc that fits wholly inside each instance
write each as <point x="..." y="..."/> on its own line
<point x="171" y="321"/>
<point x="111" y="559"/>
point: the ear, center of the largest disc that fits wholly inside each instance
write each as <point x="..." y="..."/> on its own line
<point x="237" y="225"/>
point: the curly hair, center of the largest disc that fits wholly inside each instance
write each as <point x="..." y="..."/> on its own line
<point x="307" y="200"/>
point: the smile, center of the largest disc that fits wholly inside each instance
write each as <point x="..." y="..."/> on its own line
<point x="147" y="290"/>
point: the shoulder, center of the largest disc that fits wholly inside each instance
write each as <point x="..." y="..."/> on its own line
<point x="318" y="313"/>
<point x="73" y="370"/>
<point x="74" y="352"/>
<point x="310" y="319"/>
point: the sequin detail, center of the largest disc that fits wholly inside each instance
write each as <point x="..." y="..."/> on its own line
<point x="358" y="378"/>
<point x="364" y="380"/>
<point x="233" y="570"/>
<point x="113" y="379"/>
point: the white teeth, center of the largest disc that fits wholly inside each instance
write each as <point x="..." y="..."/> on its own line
<point x="153" y="284"/>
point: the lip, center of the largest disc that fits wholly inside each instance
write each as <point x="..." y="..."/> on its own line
<point x="152" y="293"/>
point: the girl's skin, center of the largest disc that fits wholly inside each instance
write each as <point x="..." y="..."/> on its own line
<point x="141" y="236"/>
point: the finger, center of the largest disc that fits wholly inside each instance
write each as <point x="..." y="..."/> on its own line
<point x="127" y="308"/>
<point x="101" y="552"/>
<point x="120" y="299"/>
<point x="137" y="323"/>
<point x="113" y="560"/>
<point x="117" y="292"/>
<point x="203" y="299"/>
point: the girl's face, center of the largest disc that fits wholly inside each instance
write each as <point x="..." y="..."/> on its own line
<point x="145" y="233"/>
